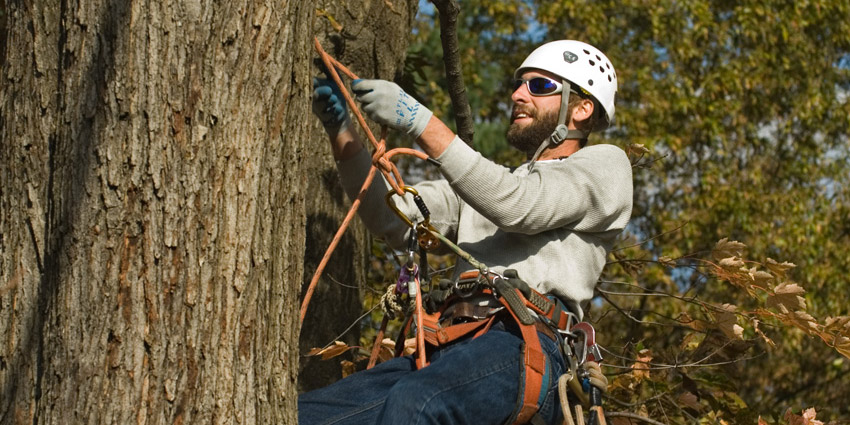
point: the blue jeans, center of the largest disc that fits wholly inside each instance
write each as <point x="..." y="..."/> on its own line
<point x="473" y="381"/>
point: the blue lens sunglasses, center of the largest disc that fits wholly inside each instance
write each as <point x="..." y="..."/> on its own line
<point x="540" y="86"/>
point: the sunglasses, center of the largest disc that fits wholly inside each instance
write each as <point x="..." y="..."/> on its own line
<point x="540" y="86"/>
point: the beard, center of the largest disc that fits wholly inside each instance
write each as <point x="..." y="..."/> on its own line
<point x="529" y="137"/>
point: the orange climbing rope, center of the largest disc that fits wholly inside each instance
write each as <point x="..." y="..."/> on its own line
<point x="381" y="160"/>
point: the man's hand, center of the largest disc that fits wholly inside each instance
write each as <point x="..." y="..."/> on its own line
<point x="329" y="106"/>
<point x="386" y="103"/>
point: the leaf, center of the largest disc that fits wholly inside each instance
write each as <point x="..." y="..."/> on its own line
<point x="837" y="324"/>
<point x="638" y="149"/>
<point x="640" y="369"/>
<point x="666" y="261"/>
<point x="842" y="345"/>
<point x="755" y="322"/>
<point x="348" y="368"/>
<point x="726" y="249"/>
<point x="778" y="269"/>
<point x="759" y="277"/>
<point x="331" y="351"/>
<point x="809" y="417"/>
<point x="732" y="263"/>
<point x="800" y="319"/>
<point x="688" y="399"/>
<point x="786" y="297"/>
<point x="727" y="322"/>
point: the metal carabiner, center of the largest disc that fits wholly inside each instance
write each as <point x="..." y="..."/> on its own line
<point x="392" y="205"/>
<point x="424" y="230"/>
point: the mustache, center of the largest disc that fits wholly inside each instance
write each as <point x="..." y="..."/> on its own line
<point x="521" y="109"/>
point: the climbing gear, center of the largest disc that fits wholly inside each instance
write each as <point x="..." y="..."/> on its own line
<point x="381" y="160"/>
<point x="583" y="68"/>
<point x="387" y="104"/>
<point x="530" y="310"/>
<point x="455" y="311"/>
<point x="580" y="64"/>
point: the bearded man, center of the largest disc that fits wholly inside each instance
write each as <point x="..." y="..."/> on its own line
<point x="551" y="221"/>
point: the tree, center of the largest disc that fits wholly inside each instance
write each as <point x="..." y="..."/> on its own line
<point x="155" y="165"/>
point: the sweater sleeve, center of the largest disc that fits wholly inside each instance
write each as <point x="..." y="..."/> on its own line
<point x="383" y="222"/>
<point x="589" y="191"/>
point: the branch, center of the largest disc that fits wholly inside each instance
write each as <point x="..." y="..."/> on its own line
<point x="632" y="416"/>
<point x="449" y="10"/>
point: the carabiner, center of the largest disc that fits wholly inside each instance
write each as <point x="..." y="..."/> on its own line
<point x="391" y="204"/>
<point x="424" y="230"/>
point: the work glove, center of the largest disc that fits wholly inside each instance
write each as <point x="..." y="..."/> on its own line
<point x="329" y="106"/>
<point x="387" y="104"/>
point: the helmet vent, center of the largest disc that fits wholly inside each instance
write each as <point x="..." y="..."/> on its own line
<point x="601" y="69"/>
<point x="592" y="63"/>
<point x="590" y="82"/>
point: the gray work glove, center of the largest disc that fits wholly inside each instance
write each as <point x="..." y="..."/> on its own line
<point x="387" y="104"/>
<point x="329" y="106"/>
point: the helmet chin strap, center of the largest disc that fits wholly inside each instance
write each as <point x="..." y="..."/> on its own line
<point x="561" y="132"/>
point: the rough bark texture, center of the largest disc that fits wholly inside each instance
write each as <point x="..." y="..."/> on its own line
<point x="152" y="210"/>
<point x="370" y="37"/>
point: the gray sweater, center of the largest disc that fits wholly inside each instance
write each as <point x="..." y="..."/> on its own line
<point x="554" y="225"/>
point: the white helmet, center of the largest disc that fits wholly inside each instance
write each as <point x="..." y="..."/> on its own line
<point x="581" y="64"/>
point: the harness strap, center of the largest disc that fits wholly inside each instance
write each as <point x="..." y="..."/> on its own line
<point x="535" y="366"/>
<point x="520" y="307"/>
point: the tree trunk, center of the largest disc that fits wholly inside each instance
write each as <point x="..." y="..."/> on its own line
<point x="370" y="38"/>
<point x="152" y="210"/>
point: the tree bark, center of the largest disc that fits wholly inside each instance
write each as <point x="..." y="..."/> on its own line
<point x="152" y="210"/>
<point x="370" y="38"/>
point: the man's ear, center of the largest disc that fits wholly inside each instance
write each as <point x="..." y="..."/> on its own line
<point x="583" y="111"/>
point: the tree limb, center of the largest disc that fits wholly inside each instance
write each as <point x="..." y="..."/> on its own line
<point x="449" y="10"/>
<point x="632" y="416"/>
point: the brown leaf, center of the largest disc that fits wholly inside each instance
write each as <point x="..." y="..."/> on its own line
<point x="637" y="149"/>
<point x="786" y="297"/>
<point x="800" y="319"/>
<point x="809" y="417"/>
<point x="755" y="323"/>
<point x="837" y="324"/>
<point x="842" y="345"/>
<point x="762" y="421"/>
<point x="732" y="263"/>
<point x="331" y="351"/>
<point x="760" y="277"/>
<point x="726" y="248"/>
<point x="640" y="369"/>
<point x="348" y="368"/>
<point x="778" y="269"/>
<point x="688" y="399"/>
<point x="727" y="322"/>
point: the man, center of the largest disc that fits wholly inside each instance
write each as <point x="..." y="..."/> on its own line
<point x="553" y="220"/>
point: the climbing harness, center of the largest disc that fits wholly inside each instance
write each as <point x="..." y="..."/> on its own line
<point x="450" y="315"/>
<point x="456" y="312"/>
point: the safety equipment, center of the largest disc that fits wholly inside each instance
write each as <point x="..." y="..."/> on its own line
<point x="329" y="106"/>
<point x="580" y="64"/>
<point x="387" y="104"/>
<point x="540" y="86"/>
